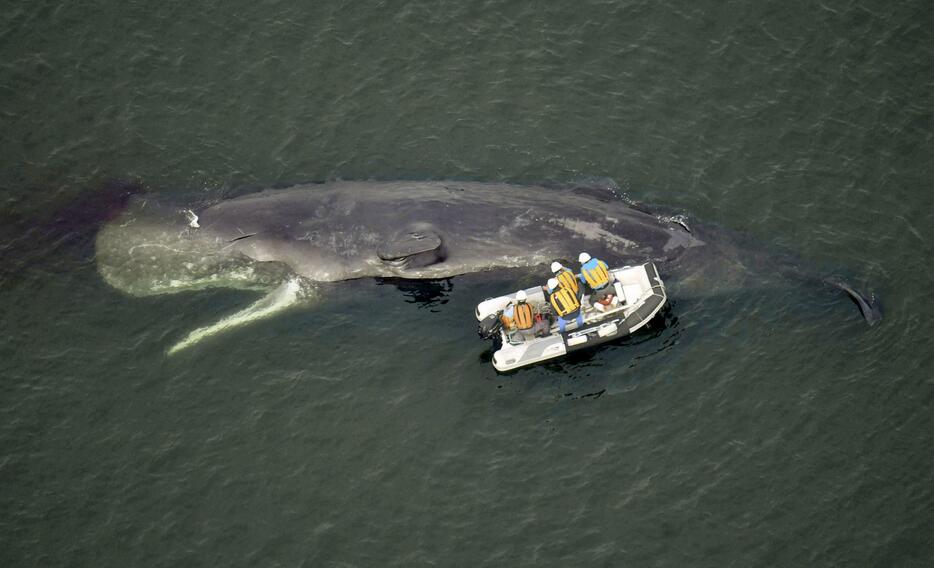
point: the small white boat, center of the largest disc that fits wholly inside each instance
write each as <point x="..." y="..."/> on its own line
<point x="638" y="295"/>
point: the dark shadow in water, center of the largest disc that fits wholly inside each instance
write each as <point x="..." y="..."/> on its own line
<point x="62" y="238"/>
<point x="428" y="294"/>
<point x="486" y="357"/>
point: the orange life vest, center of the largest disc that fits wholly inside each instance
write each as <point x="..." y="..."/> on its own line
<point x="564" y="301"/>
<point x="506" y="321"/>
<point x="523" y="316"/>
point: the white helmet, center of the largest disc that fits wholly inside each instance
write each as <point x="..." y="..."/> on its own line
<point x="521" y="296"/>
<point x="556" y="266"/>
<point x="583" y="258"/>
<point x="552" y="283"/>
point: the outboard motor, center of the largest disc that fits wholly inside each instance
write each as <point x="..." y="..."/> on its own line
<point x="489" y="327"/>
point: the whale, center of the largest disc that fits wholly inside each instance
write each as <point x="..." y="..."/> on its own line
<point x="285" y="242"/>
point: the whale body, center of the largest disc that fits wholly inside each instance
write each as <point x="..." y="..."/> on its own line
<point x="285" y="240"/>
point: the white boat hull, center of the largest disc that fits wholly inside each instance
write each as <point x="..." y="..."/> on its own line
<point x="639" y="294"/>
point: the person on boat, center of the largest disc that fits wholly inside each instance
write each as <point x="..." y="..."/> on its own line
<point x="566" y="278"/>
<point x="523" y="315"/>
<point x="518" y="315"/>
<point x="505" y="317"/>
<point x="565" y="303"/>
<point x="597" y="276"/>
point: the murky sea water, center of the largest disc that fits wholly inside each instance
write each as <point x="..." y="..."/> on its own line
<point x="766" y="428"/>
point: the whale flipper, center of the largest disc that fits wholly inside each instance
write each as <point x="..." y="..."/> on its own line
<point x="413" y="249"/>
<point x="286" y="295"/>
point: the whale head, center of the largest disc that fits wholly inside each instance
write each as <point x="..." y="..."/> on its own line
<point x="152" y="249"/>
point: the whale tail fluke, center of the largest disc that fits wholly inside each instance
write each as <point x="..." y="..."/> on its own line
<point x="283" y="297"/>
<point x="868" y="305"/>
<point x="791" y="267"/>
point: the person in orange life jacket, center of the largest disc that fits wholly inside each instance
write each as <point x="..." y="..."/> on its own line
<point x="566" y="278"/>
<point x="565" y="303"/>
<point x="519" y="315"/>
<point x="596" y="275"/>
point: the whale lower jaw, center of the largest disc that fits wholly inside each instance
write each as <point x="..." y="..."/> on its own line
<point x="282" y="298"/>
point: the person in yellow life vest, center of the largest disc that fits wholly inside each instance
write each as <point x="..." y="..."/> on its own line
<point x="565" y="303"/>
<point x="566" y="278"/>
<point x="597" y="276"/>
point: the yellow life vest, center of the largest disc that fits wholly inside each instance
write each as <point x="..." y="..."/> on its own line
<point x="564" y="301"/>
<point x="523" y="316"/>
<point x="568" y="281"/>
<point x="597" y="277"/>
